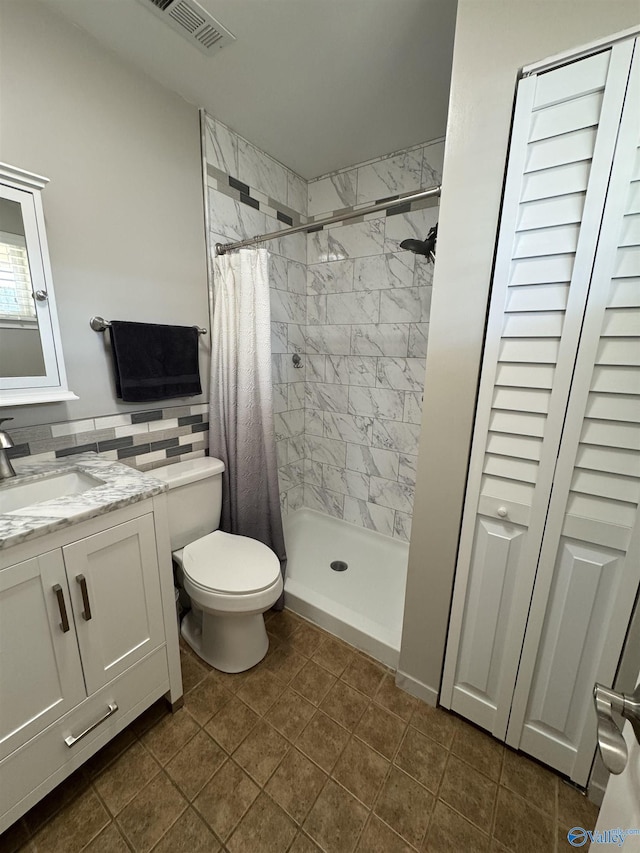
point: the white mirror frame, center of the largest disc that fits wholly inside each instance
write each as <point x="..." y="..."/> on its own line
<point x="25" y="187"/>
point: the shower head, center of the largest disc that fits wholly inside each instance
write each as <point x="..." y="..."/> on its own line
<point x="423" y="247"/>
<point x="420" y="247"/>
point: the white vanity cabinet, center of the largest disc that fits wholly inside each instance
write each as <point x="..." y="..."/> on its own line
<point x="88" y="640"/>
<point x="115" y="597"/>
<point x="40" y="665"/>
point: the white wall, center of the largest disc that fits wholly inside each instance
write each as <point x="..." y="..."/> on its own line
<point x="124" y="208"/>
<point x="494" y="38"/>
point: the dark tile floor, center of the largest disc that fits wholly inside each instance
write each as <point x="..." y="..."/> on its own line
<point x="313" y="749"/>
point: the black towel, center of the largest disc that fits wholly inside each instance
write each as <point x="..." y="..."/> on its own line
<point x="153" y="362"/>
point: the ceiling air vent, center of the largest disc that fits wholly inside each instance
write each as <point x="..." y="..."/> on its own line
<point x="193" y="22"/>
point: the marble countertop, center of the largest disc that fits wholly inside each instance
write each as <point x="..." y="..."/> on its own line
<point x="121" y="487"/>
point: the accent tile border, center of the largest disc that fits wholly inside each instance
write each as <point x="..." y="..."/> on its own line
<point x="239" y="191"/>
<point x="143" y="440"/>
<point x="392" y="210"/>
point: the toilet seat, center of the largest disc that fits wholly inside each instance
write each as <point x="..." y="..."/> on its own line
<point x="228" y="564"/>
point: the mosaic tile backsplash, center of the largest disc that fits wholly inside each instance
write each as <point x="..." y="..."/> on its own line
<point x="143" y="440"/>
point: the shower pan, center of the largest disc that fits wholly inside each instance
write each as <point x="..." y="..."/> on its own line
<point x="363" y="603"/>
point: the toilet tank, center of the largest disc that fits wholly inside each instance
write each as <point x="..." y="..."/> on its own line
<point x="195" y="498"/>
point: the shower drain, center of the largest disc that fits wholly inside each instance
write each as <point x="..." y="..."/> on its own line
<point x="339" y="566"/>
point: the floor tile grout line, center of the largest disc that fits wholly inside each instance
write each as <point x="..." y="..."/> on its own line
<point x="90" y="781"/>
<point x="373" y="816"/>
<point x="436" y="794"/>
<point x="172" y="783"/>
<point x="338" y="782"/>
<point x="519" y="796"/>
<point x="182" y="746"/>
<point x="189" y="808"/>
<point x="468" y="820"/>
<point x="291" y="745"/>
<point x="61" y="806"/>
<point x="242" y="816"/>
<point x="102" y="829"/>
<point x="95" y="835"/>
<point x="330" y="778"/>
<point x="494" y="814"/>
<point x="437" y="797"/>
<point x="392" y="764"/>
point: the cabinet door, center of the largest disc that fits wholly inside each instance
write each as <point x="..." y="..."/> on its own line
<point x="40" y="670"/>
<point x="589" y="567"/>
<point x="115" y="592"/>
<point x="564" y="133"/>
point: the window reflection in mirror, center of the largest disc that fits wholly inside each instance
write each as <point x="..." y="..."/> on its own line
<point x="20" y="346"/>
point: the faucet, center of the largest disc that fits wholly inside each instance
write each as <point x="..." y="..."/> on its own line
<point x="6" y="468"/>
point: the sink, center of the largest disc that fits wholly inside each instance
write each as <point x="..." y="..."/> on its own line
<point x="18" y="495"/>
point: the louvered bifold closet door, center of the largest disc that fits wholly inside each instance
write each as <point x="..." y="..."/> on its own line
<point x="589" y="567"/>
<point x="563" y="138"/>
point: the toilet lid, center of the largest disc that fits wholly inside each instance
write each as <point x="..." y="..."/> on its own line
<point x="227" y="563"/>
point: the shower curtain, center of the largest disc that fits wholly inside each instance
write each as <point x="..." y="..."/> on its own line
<point x="241" y="428"/>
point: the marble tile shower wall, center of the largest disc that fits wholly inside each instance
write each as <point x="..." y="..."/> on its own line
<point x="366" y="334"/>
<point x="354" y="307"/>
<point x="250" y="193"/>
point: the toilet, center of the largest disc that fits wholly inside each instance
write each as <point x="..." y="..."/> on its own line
<point x="231" y="580"/>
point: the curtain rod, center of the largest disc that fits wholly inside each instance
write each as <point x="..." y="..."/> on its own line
<point x="222" y="248"/>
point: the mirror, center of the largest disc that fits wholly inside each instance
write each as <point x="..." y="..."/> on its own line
<point x="31" y="365"/>
<point x="20" y="345"/>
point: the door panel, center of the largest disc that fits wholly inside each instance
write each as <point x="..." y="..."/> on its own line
<point x="40" y="667"/>
<point x="120" y="569"/>
<point x="564" y="135"/>
<point x="596" y="495"/>
<point x="587" y="583"/>
<point x="480" y="682"/>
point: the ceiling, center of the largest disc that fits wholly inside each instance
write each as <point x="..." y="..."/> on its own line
<point x="318" y="84"/>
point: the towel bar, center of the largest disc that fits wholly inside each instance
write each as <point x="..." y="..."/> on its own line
<point x="99" y="324"/>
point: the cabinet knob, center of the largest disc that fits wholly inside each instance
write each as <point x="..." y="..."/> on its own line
<point x="502" y="511"/>
<point x="41" y="295"/>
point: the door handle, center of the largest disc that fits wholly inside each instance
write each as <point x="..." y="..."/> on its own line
<point x="62" y="607"/>
<point x="611" y="742"/>
<point x="86" y="615"/>
<point x="112" y="707"/>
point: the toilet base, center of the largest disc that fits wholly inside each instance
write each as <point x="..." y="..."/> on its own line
<point x="230" y="643"/>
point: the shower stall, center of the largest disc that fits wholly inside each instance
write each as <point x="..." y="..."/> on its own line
<point x="349" y="316"/>
<point x="362" y="600"/>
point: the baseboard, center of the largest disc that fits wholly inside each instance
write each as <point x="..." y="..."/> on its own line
<point x="417" y="688"/>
